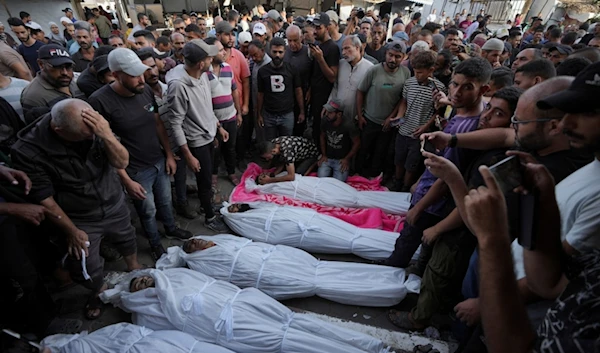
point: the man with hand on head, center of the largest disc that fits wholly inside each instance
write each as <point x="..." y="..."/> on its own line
<point x="130" y="107"/>
<point x="73" y="141"/>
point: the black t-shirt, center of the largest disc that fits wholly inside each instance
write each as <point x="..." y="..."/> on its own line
<point x="377" y="54"/>
<point x="302" y="63"/>
<point x="278" y="85"/>
<point x="81" y="63"/>
<point x="320" y="86"/>
<point x="133" y="119"/>
<point x="88" y="83"/>
<point x="338" y="139"/>
<point x="562" y="163"/>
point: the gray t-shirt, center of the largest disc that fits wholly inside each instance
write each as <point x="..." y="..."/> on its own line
<point x="383" y="91"/>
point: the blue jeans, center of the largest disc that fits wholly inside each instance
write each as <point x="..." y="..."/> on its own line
<point x="180" y="179"/>
<point x="155" y="181"/>
<point x="332" y="167"/>
<point x="278" y="124"/>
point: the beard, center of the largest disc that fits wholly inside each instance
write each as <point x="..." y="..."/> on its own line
<point x="135" y="89"/>
<point x="391" y="65"/>
<point x="350" y="58"/>
<point x="277" y="61"/>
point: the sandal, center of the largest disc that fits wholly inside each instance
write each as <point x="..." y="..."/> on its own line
<point x="94" y="303"/>
<point x="402" y="320"/>
<point x="234" y="179"/>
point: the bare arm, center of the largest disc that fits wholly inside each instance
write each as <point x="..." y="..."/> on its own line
<point x="259" y="104"/>
<point x="246" y="90"/>
<point x="487" y="139"/>
<point x="451" y="222"/>
<point x="77" y="240"/>
<point x="299" y="99"/>
<point x="235" y="94"/>
<point x="163" y="136"/>
<point x="290" y="176"/>
<point x="401" y="107"/>
<point x="433" y="195"/>
<point x="355" y="147"/>
<point x="360" y="99"/>
<point x="23" y="72"/>
<point x="117" y="154"/>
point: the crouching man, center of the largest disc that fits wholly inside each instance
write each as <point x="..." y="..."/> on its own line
<point x="71" y="157"/>
<point x="295" y="154"/>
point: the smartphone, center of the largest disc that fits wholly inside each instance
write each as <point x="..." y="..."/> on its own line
<point x="312" y="45"/>
<point x="397" y="122"/>
<point x="508" y="173"/>
<point x="527" y="221"/>
<point x="427" y="146"/>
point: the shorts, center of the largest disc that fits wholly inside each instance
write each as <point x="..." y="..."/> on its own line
<point x="408" y="153"/>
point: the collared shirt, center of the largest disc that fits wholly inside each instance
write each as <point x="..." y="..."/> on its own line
<point x="81" y="63"/>
<point x="222" y="88"/>
<point x="347" y="82"/>
<point x="255" y="67"/>
<point x="40" y="93"/>
<point x="240" y="68"/>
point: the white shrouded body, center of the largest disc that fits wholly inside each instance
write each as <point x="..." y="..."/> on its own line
<point x="332" y="192"/>
<point x="307" y="229"/>
<point x="283" y="272"/>
<point x="129" y="338"/>
<point x="243" y="320"/>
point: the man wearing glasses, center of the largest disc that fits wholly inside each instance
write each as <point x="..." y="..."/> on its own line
<point x="55" y="81"/>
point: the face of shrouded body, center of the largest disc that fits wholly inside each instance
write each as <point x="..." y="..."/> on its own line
<point x="194" y="245"/>
<point x="141" y="283"/>
<point x="238" y="208"/>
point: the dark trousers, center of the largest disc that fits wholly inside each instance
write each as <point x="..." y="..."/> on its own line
<point x="25" y="304"/>
<point x="204" y="155"/>
<point x="226" y="150"/>
<point x="374" y="146"/>
<point x="445" y="270"/>
<point x="244" y="136"/>
<point x="180" y="179"/>
<point x="409" y="240"/>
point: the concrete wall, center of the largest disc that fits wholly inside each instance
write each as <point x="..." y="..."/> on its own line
<point x="41" y="11"/>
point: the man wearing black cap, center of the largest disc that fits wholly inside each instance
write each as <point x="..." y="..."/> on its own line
<point x="558" y="53"/>
<point x="54" y="82"/>
<point x="190" y="104"/>
<point x="567" y="213"/>
<point x="325" y="67"/>
<point x="97" y="74"/>
<point x="69" y="13"/>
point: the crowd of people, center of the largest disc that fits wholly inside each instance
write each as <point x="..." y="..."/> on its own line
<point x="444" y="109"/>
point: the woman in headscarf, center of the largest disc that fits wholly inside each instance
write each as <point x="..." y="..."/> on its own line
<point x="55" y="34"/>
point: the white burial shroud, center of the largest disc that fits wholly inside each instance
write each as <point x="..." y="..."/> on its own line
<point x="332" y="192"/>
<point x="283" y="272"/>
<point x="243" y="320"/>
<point x="307" y="229"/>
<point x="129" y="338"/>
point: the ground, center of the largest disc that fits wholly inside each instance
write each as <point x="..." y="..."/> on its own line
<point x="366" y="319"/>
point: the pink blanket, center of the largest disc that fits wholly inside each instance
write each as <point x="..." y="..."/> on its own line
<point x="360" y="217"/>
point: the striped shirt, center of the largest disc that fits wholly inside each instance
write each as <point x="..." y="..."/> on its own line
<point x="458" y="156"/>
<point x="419" y="103"/>
<point x="221" y="89"/>
<point x="12" y="94"/>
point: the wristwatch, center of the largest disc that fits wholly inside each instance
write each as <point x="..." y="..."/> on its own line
<point x="453" y="141"/>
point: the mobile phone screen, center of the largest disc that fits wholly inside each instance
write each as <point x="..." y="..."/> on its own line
<point x="508" y="173"/>
<point x="427" y="146"/>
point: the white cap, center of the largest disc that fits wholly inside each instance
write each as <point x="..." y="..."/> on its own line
<point x="65" y="19"/>
<point x="123" y="59"/>
<point x="244" y="37"/>
<point x="259" y="29"/>
<point x="34" y="25"/>
<point x="333" y="16"/>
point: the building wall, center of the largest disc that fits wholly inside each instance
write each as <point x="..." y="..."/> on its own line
<point x="41" y="11"/>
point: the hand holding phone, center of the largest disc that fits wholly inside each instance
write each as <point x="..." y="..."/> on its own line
<point x="509" y="173"/>
<point x="427" y="146"/>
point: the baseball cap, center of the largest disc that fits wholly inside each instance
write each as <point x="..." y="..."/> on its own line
<point x="100" y="63"/>
<point x="259" y="29"/>
<point x="321" y="19"/>
<point x="197" y="49"/>
<point x="561" y="48"/>
<point x="493" y="44"/>
<point x="401" y="35"/>
<point x="334" y="105"/>
<point x="67" y="9"/>
<point x="155" y="53"/>
<point x="581" y="96"/>
<point x="223" y="27"/>
<point x="123" y="59"/>
<point x="333" y="17"/>
<point x="398" y="45"/>
<point x="55" y="54"/>
<point x="34" y="25"/>
<point x="274" y="15"/>
<point x="193" y="14"/>
<point x="244" y="37"/>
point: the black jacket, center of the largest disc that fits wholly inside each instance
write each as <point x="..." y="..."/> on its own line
<point x="87" y="189"/>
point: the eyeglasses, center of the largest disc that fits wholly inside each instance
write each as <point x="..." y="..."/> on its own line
<point x="67" y="67"/>
<point x="516" y="123"/>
